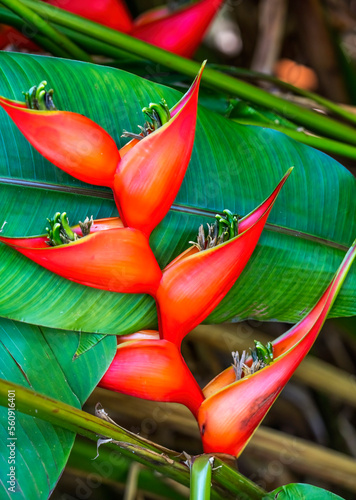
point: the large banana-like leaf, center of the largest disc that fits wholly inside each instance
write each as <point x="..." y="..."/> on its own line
<point x="42" y="359"/>
<point x="232" y="166"/>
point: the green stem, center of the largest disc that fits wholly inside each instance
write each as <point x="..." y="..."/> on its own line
<point x="40" y="25"/>
<point x="310" y="119"/>
<point x="327" y="145"/>
<point x="9" y="18"/>
<point x="114" y="470"/>
<point x="200" y="477"/>
<point x="169" y="462"/>
<point x="326" y="103"/>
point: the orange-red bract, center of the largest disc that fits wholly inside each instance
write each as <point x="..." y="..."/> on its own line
<point x="117" y="260"/>
<point x="150" y="174"/>
<point x="233" y="410"/>
<point x="111" y="13"/>
<point x="147" y="177"/>
<point x="154" y="370"/>
<point x="193" y="285"/>
<point x="180" y="31"/>
<point x="71" y="141"/>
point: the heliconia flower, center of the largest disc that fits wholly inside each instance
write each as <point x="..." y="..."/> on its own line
<point x="233" y="409"/>
<point x="153" y="369"/>
<point x="111" y="13"/>
<point x="110" y="257"/>
<point x="71" y="141"/>
<point x="179" y="31"/>
<point x="148" y="176"/>
<point x="196" y="281"/>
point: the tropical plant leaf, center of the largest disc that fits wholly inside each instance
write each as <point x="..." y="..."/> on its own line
<point x="87" y="342"/>
<point x="232" y="166"/>
<point x="301" y="492"/>
<point x="42" y="359"/>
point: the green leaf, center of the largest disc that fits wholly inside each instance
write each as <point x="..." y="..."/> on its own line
<point x="301" y="492"/>
<point x="42" y="359"/>
<point x="87" y="342"/>
<point x="233" y="166"/>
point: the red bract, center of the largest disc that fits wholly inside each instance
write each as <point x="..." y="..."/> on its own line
<point x="71" y="141"/>
<point x="231" y="413"/>
<point x="194" y="283"/>
<point x="111" y="13"/>
<point x="150" y="174"/>
<point x="180" y="31"/>
<point x="154" y="370"/>
<point x="117" y="260"/>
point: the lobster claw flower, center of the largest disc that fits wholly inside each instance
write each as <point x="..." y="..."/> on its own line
<point x="150" y="174"/>
<point x="111" y="13"/>
<point x="195" y="282"/>
<point x="234" y="409"/>
<point x="180" y="31"/>
<point x="110" y="258"/>
<point x="145" y="180"/>
<point x="71" y="141"/>
<point x="154" y="369"/>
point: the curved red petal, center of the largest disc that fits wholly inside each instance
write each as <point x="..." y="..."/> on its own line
<point x="117" y="260"/>
<point x="71" y="141"/>
<point x="154" y="370"/>
<point x="180" y="31"/>
<point x="149" y="176"/>
<point x="111" y="13"/>
<point x="228" y="418"/>
<point x="192" y="287"/>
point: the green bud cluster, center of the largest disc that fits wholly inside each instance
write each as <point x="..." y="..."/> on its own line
<point x="59" y="232"/>
<point x="262" y="353"/>
<point x="39" y="98"/>
<point x="156" y="114"/>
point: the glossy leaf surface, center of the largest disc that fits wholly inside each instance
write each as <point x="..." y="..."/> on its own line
<point x="301" y="492"/>
<point x="232" y="166"/>
<point x="41" y="359"/>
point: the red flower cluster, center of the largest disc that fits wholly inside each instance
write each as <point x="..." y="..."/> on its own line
<point x="114" y="254"/>
<point x="177" y="30"/>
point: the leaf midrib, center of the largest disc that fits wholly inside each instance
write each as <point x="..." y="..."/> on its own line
<point x="276" y="228"/>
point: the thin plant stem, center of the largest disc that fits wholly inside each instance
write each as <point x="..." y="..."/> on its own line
<point x="9" y="18"/>
<point x="322" y="143"/>
<point x="215" y="79"/>
<point x="323" y="101"/>
<point x="41" y="26"/>
<point x="229" y="481"/>
<point x="200" y="477"/>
